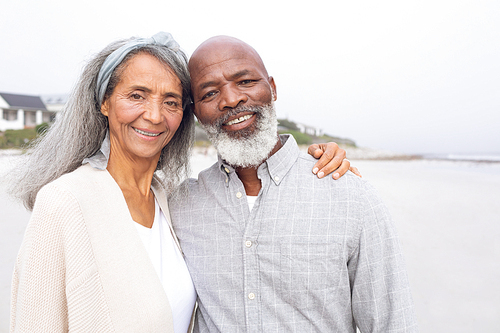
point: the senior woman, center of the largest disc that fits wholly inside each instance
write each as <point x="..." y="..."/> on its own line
<point x="83" y="266"/>
<point x="99" y="253"/>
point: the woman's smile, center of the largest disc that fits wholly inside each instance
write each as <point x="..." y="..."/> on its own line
<point x="147" y="133"/>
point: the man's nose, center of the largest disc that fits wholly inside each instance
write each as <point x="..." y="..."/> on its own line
<point x="231" y="97"/>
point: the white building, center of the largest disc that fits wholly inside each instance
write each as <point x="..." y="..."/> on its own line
<point x="23" y="111"/>
<point x="315" y="131"/>
<point x="55" y="103"/>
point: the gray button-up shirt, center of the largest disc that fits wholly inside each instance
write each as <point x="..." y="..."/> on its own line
<point x="313" y="255"/>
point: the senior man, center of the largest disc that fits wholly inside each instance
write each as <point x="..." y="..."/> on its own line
<point x="270" y="246"/>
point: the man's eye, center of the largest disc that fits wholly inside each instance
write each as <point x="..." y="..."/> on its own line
<point x="245" y="82"/>
<point x="136" y="96"/>
<point x="208" y="95"/>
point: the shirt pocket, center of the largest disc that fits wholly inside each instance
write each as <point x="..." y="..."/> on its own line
<point x="309" y="267"/>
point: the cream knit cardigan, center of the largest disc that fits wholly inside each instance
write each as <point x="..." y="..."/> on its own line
<point x="82" y="266"/>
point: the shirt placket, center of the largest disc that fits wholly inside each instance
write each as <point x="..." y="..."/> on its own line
<point x="251" y="282"/>
<point x="249" y="242"/>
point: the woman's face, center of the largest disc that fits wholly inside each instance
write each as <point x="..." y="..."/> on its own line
<point x="144" y="110"/>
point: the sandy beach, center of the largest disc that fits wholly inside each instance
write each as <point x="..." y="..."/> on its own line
<point x="448" y="218"/>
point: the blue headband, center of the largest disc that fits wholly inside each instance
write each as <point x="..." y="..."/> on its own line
<point x="115" y="58"/>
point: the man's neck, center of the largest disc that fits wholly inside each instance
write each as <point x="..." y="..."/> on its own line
<point x="249" y="177"/>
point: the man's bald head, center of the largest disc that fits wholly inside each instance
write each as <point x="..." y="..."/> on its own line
<point x="221" y="47"/>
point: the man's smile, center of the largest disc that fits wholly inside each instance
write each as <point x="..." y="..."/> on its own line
<point x="238" y="120"/>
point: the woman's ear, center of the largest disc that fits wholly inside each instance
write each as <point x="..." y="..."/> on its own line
<point x="105" y="108"/>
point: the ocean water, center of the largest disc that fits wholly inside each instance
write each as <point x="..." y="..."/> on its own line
<point x="490" y="157"/>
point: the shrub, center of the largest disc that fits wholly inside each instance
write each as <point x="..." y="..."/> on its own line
<point x="42" y="128"/>
<point x="17" y="138"/>
<point x="288" y="124"/>
<point x="301" y="138"/>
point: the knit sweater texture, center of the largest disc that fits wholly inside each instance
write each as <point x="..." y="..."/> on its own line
<point x="82" y="266"/>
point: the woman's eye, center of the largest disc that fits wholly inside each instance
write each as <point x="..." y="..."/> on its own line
<point x="136" y="96"/>
<point x="173" y="105"/>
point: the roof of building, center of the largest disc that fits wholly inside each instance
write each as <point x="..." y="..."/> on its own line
<point x="23" y="101"/>
<point x="55" y="99"/>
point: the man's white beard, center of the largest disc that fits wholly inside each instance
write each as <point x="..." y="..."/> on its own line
<point x="246" y="149"/>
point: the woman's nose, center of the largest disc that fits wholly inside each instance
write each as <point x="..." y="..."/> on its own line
<point x="153" y="113"/>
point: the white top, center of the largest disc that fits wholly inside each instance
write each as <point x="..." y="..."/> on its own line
<point x="251" y="201"/>
<point x="169" y="264"/>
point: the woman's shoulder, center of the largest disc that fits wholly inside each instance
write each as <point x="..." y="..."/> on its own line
<point x="83" y="183"/>
<point x="57" y="204"/>
<point x="82" y="172"/>
<point x="77" y="194"/>
<point x="81" y="178"/>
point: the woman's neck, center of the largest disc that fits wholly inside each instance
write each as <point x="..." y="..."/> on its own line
<point x="132" y="174"/>
<point x="134" y="177"/>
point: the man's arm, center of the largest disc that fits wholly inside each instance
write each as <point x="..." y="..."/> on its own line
<point x="332" y="159"/>
<point x="381" y="297"/>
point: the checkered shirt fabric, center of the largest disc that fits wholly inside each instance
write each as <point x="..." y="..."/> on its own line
<point x="313" y="255"/>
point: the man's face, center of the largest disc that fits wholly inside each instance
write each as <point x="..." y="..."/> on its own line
<point x="233" y="98"/>
<point x="225" y="83"/>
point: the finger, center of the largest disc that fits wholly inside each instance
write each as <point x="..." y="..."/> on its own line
<point x="344" y="167"/>
<point x="326" y="158"/>
<point x="337" y="168"/>
<point x="334" y="164"/>
<point x="330" y="150"/>
<point x="315" y="150"/>
<point x="355" y="171"/>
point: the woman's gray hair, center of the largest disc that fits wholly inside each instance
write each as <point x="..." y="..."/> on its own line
<point x="80" y="129"/>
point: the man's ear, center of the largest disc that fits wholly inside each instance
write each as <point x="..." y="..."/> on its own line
<point x="273" y="87"/>
<point x="105" y="108"/>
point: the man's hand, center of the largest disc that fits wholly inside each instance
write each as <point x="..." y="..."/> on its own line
<point x="331" y="159"/>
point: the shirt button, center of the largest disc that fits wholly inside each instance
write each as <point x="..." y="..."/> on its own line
<point x="277" y="178"/>
<point x="248" y="243"/>
<point x="239" y="195"/>
<point x="251" y="296"/>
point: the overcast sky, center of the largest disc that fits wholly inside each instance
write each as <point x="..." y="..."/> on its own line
<point x="408" y="76"/>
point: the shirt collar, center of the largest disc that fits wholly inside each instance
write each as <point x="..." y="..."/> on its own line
<point x="282" y="161"/>
<point x="277" y="165"/>
<point x="100" y="159"/>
